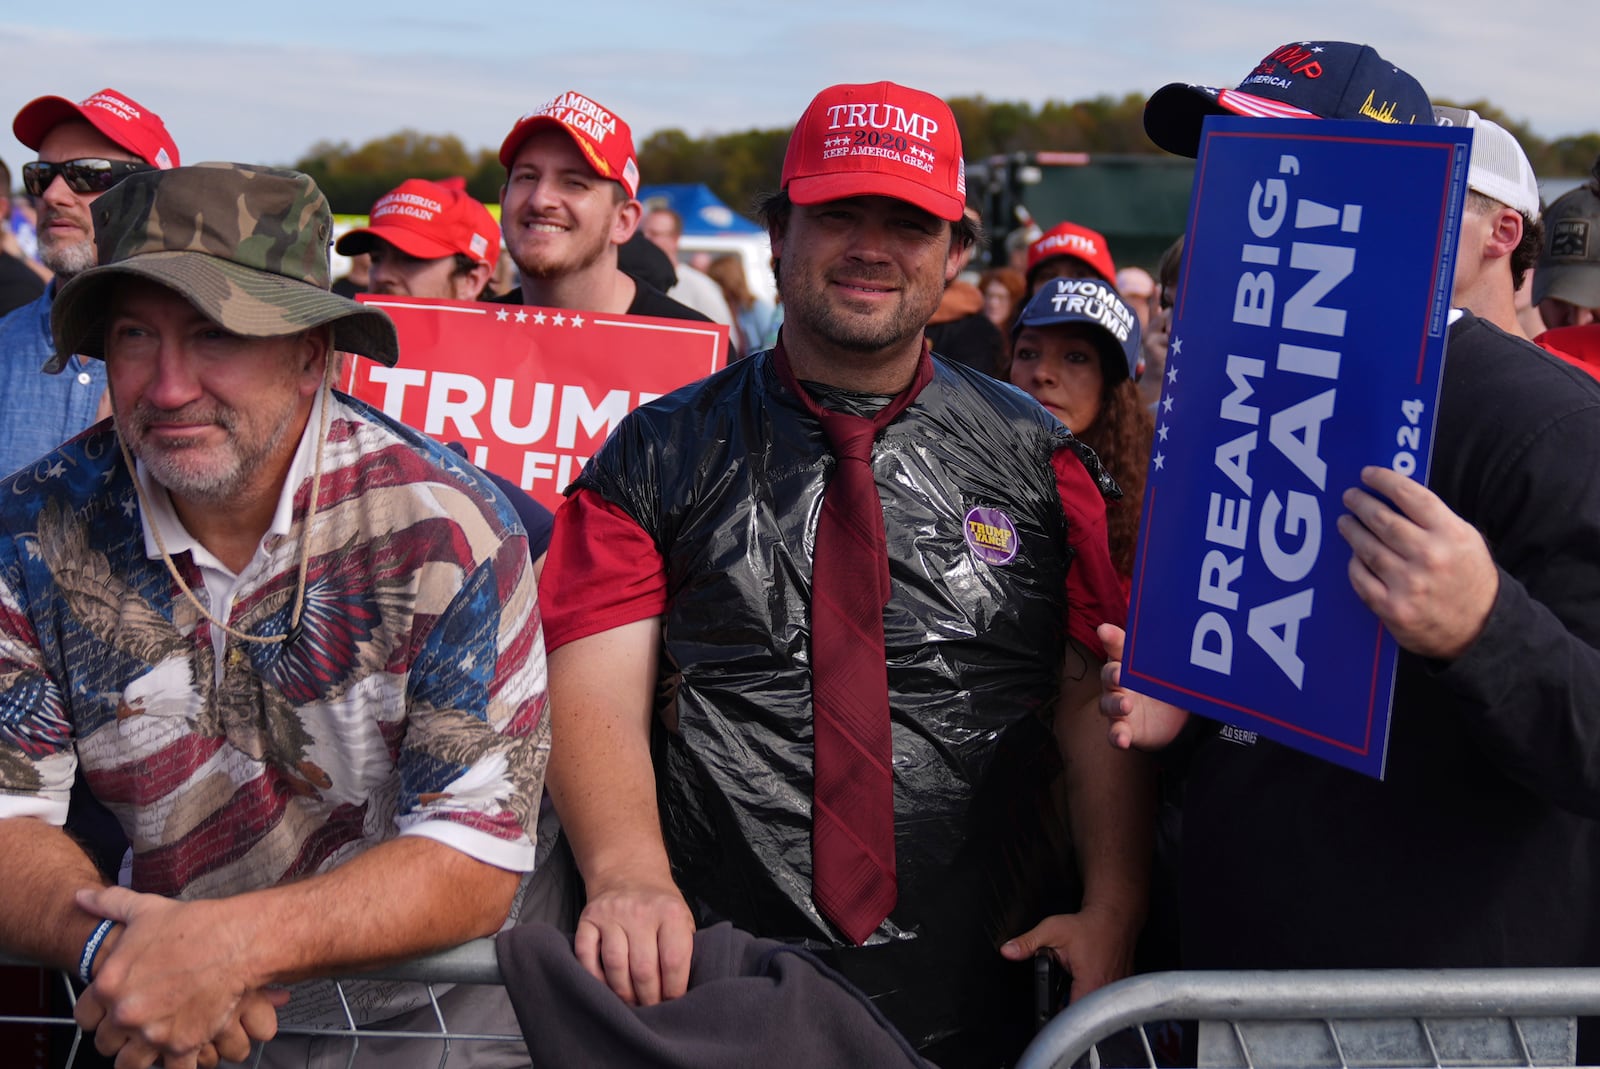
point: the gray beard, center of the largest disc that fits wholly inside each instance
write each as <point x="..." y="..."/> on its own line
<point x="68" y="260"/>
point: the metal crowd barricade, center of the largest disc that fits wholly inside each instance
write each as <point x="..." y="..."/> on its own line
<point x="1330" y="1020"/>
<point x="1391" y="1019"/>
<point x="470" y="963"/>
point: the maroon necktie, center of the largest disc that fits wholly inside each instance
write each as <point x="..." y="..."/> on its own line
<point x="852" y="801"/>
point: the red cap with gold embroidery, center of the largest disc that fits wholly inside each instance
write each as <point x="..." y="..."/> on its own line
<point x="603" y="138"/>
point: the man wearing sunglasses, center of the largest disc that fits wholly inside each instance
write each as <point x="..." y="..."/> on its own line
<point x="84" y="149"/>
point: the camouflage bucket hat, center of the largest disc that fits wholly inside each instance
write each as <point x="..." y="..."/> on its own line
<point x="247" y="246"/>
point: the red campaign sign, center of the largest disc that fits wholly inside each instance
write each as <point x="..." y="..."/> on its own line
<point x="531" y="392"/>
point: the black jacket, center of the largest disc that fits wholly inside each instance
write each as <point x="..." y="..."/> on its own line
<point x="1481" y="846"/>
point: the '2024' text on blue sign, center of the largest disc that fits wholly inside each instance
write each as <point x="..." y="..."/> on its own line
<point x="1307" y="342"/>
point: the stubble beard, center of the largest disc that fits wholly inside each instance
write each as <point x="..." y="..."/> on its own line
<point x="807" y="303"/>
<point x="549" y="264"/>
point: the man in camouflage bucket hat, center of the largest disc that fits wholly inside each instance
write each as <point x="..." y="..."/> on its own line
<point x="292" y="645"/>
<point x="262" y="235"/>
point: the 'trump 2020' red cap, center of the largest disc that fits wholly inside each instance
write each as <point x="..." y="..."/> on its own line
<point x="880" y="139"/>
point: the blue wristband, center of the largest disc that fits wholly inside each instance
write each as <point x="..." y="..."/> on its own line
<point x="92" y="947"/>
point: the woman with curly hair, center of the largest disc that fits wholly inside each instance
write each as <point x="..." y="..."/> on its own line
<point x="1074" y="347"/>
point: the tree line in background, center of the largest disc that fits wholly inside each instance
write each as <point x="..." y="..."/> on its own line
<point x="739" y="166"/>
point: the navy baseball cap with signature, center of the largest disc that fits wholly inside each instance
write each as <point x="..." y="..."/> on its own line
<point x="1307" y="79"/>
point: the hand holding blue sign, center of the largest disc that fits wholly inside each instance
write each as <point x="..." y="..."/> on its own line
<point x="1424" y="570"/>
<point x="1138" y="721"/>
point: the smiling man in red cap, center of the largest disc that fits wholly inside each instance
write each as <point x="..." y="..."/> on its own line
<point x="84" y="149"/>
<point x="845" y="587"/>
<point x="571" y="199"/>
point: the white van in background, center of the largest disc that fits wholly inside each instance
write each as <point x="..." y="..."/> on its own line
<point x="754" y="251"/>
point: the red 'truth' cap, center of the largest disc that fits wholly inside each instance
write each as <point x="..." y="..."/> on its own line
<point x="603" y="138"/>
<point x="121" y="118"/>
<point x="880" y="139"/>
<point x="1078" y="242"/>
<point x="428" y="220"/>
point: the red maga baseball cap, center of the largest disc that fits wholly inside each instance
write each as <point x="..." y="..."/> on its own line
<point x="603" y="138"/>
<point x="121" y="118"/>
<point x="428" y="220"/>
<point x="1078" y="242"/>
<point x="882" y="140"/>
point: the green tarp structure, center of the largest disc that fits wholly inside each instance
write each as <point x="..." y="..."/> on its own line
<point x="1139" y="202"/>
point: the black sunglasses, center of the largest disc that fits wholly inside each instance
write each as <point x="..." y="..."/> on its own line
<point x="82" y="176"/>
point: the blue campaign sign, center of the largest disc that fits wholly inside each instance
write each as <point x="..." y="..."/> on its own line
<point x="1307" y="342"/>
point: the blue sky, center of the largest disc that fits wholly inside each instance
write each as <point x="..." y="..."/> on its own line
<point x="263" y="83"/>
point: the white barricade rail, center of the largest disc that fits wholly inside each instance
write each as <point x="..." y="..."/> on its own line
<point x="470" y="963"/>
<point x="1333" y="1020"/>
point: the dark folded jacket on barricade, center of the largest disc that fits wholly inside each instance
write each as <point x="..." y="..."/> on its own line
<point x="751" y="1002"/>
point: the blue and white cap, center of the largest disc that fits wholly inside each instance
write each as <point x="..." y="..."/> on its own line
<point x="1063" y="302"/>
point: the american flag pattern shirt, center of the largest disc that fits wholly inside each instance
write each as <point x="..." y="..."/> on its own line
<point x="411" y="701"/>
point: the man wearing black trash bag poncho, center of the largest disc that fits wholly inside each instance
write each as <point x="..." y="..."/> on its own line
<point x="808" y="642"/>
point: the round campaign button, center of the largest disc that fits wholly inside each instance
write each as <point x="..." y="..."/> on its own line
<point x="991" y="535"/>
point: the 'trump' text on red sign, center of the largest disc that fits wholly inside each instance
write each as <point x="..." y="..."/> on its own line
<point x="531" y="392"/>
